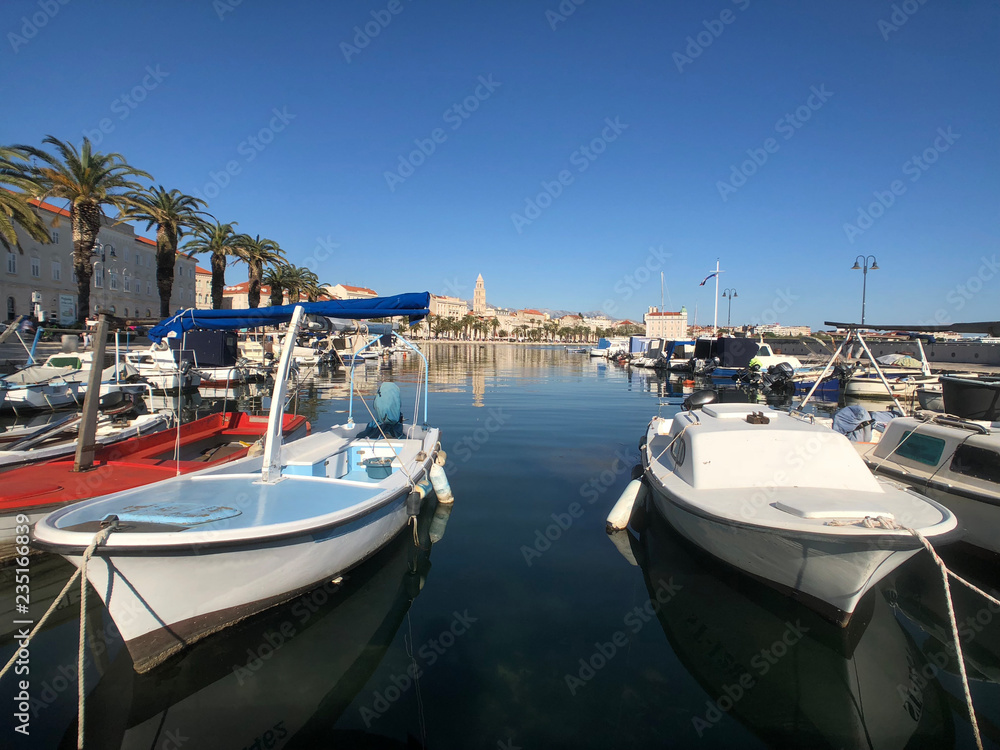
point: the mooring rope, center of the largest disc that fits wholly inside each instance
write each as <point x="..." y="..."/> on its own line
<point x="954" y="630"/>
<point x="81" y="572"/>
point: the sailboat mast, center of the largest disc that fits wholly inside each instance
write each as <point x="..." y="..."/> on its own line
<point x="661" y="291"/>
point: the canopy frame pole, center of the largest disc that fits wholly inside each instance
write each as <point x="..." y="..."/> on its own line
<point x="271" y="467"/>
<point x="871" y="357"/>
<point x="826" y="369"/>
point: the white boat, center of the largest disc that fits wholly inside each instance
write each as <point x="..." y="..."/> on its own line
<point x="951" y="460"/>
<point x="786" y="501"/>
<point x="900" y="384"/>
<point x="257" y="531"/>
<point x="158" y="367"/>
<point x="58" y="383"/>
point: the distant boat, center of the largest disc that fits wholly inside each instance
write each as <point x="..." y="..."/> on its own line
<point x="785" y="501"/>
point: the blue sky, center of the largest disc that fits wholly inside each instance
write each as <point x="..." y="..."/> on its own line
<point x="294" y="125"/>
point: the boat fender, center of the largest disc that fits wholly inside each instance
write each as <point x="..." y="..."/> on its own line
<point x="413" y="502"/>
<point x="642" y="444"/>
<point x="637" y="471"/>
<point x="441" y="486"/>
<point x="618" y="518"/>
<point x="441" y="458"/>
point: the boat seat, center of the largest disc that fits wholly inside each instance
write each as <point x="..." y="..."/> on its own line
<point x="181" y="514"/>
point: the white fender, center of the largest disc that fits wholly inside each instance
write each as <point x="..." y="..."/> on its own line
<point x="618" y="518"/>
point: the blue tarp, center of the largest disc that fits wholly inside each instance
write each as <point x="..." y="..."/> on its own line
<point x="638" y="344"/>
<point x="415" y="305"/>
<point x="388" y="413"/>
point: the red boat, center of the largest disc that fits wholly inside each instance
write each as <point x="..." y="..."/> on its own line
<point x="216" y="439"/>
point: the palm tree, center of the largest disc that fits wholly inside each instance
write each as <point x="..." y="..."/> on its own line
<point x="494" y="324"/>
<point x="90" y="181"/>
<point x="257" y="252"/>
<point x="173" y="213"/>
<point x="279" y="278"/>
<point x="309" y="285"/>
<point x="220" y="240"/>
<point x="14" y="206"/>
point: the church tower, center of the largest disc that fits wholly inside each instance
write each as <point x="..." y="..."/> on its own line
<point x="479" y="297"/>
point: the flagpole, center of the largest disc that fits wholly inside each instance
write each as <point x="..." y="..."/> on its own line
<point x="715" y="323"/>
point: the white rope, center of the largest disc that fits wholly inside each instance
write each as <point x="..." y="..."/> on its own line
<point x="81" y="572"/>
<point x="954" y="631"/>
<point x="385" y="437"/>
<point x="683" y="430"/>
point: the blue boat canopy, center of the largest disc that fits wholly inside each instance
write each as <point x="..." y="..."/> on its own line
<point x="415" y="305"/>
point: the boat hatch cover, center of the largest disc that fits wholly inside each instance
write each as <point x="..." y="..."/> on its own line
<point x="830" y="508"/>
<point x="182" y="514"/>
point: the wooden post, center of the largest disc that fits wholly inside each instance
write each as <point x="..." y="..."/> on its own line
<point x="88" y="427"/>
<point x="10" y="329"/>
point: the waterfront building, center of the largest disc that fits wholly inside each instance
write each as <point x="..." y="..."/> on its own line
<point x="448" y="307"/>
<point x="40" y="281"/>
<point x="666" y="325"/>
<point x="237" y="296"/>
<point x="779" y="330"/>
<point x="202" y="288"/>
<point x="346" y="291"/>
<point x="532" y="318"/>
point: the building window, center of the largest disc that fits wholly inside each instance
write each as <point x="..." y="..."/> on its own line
<point x="114" y="282"/>
<point x="56" y="270"/>
<point x="111" y="250"/>
<point x="99" y="279"/>
<point x="138" y="259"/>
<point x="128" y="283"/>
<point x="55" y="237"/>
<point x="11" y="309"/>
<point x="112" y="309"/>
<point x="149" y="287"/>
<point x="149" y="313"/>
<point x="36" y="268"/>
<point x="11" y="263"/>
<point x="125" y="312"/>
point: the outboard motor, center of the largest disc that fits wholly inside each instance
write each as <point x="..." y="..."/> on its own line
<point x="700" y="398"/>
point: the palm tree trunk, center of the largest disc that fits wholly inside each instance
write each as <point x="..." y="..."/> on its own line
<point x="255" y="270"/>
<point x="86" y="223"/>
<point x="218" y="279"/>
<point x="166" y="258"/>
<point x="277" y="295"/>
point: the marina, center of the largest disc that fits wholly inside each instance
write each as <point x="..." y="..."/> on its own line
<point x="525" y="553"/>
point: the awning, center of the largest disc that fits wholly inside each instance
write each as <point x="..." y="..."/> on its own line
<point x="415" y="305"/>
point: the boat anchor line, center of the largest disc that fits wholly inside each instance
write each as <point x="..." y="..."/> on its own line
<point x="81" y="572"/>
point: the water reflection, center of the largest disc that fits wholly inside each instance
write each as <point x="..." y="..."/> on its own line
<point x="786" y="674"/>
<point x="281" y="679"/>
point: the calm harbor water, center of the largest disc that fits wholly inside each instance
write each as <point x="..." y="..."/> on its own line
<point x="518" y="623"/>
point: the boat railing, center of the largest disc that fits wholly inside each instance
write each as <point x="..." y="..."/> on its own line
<point x="354" y="360"/>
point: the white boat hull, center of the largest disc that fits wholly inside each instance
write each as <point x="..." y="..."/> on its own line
<point x="168" y="616"/>
<point x="830" y="576"/>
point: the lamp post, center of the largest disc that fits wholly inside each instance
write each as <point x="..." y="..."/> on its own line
<point x="730" y="293"/>
<point x="864" y="268"/>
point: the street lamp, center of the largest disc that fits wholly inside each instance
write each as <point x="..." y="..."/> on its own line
<point x="730" y="293"/>
<point x="865" y="267"/>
